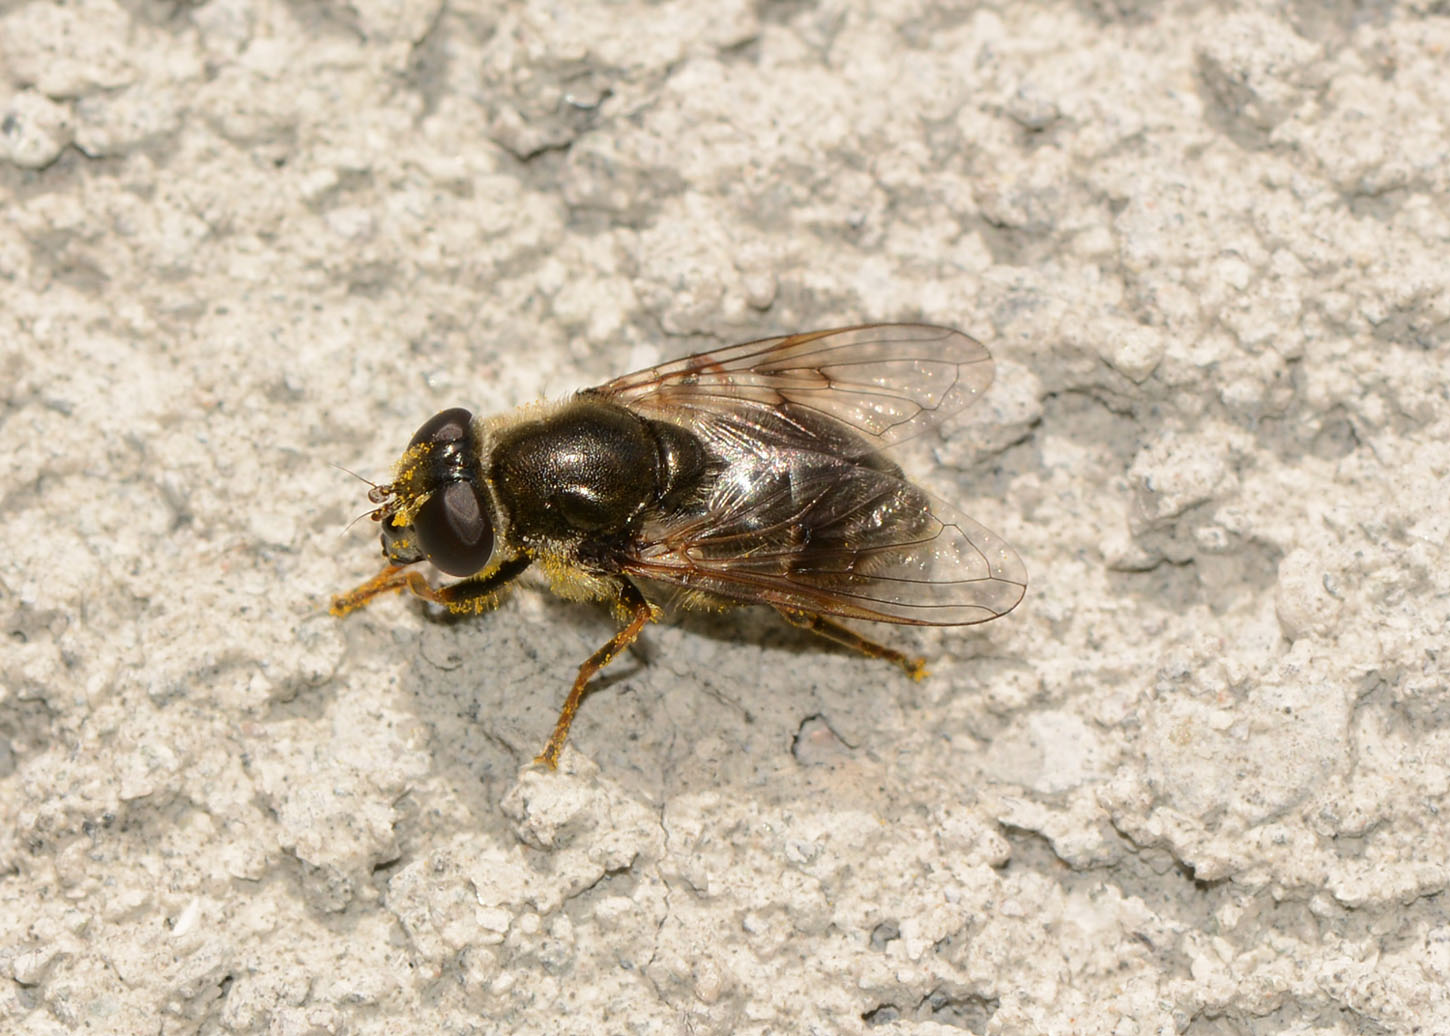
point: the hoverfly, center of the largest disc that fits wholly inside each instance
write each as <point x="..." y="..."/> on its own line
<point x="754" y="474"/>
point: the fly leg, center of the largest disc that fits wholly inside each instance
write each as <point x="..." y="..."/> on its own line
<point x="391" y="578"/>
<point x="819" y="624"/>
<point x="475" y="594"/>
<point x="632" y="603"/>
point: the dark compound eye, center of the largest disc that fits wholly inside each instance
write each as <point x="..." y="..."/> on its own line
<point x="448" y="426"/>
<point x="453" y="528"/>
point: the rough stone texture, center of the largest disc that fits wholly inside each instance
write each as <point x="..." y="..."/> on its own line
<point x="1196" y="783"/>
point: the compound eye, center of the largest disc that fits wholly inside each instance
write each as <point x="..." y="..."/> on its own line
<point x="448" y="426"/>
<point x="453" y="529"/>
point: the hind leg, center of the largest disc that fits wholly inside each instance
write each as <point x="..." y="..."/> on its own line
<point x="834" y="631"/>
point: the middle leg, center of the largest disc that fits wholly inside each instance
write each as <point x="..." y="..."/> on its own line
<point x="632" y="603"/>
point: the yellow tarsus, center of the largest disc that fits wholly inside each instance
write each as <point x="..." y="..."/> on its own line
<point x="391" y="579"/>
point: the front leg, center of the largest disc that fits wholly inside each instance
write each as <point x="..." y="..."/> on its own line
<point x="475" y="594"/>
<point x="630" y="602"/>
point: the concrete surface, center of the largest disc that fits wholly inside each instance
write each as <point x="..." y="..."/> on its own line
<point x="1195" y="784"/>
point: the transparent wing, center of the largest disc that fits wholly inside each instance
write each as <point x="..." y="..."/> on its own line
<point x="804" y="529"/>
<point x="886" y="381"/>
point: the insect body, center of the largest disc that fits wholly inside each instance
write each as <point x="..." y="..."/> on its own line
<point x="749" y="475"/>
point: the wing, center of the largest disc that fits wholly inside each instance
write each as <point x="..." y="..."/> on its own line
<point x="886" y="381"/>
<point x="796" y="527"/>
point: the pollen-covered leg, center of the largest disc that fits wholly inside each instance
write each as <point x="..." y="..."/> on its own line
<point x="475" y="594"/>
<point x="390" y="579"/>
<point x="819" y="624"/>
<point x="467" y="595"/>
<point x="630" y="602"/>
